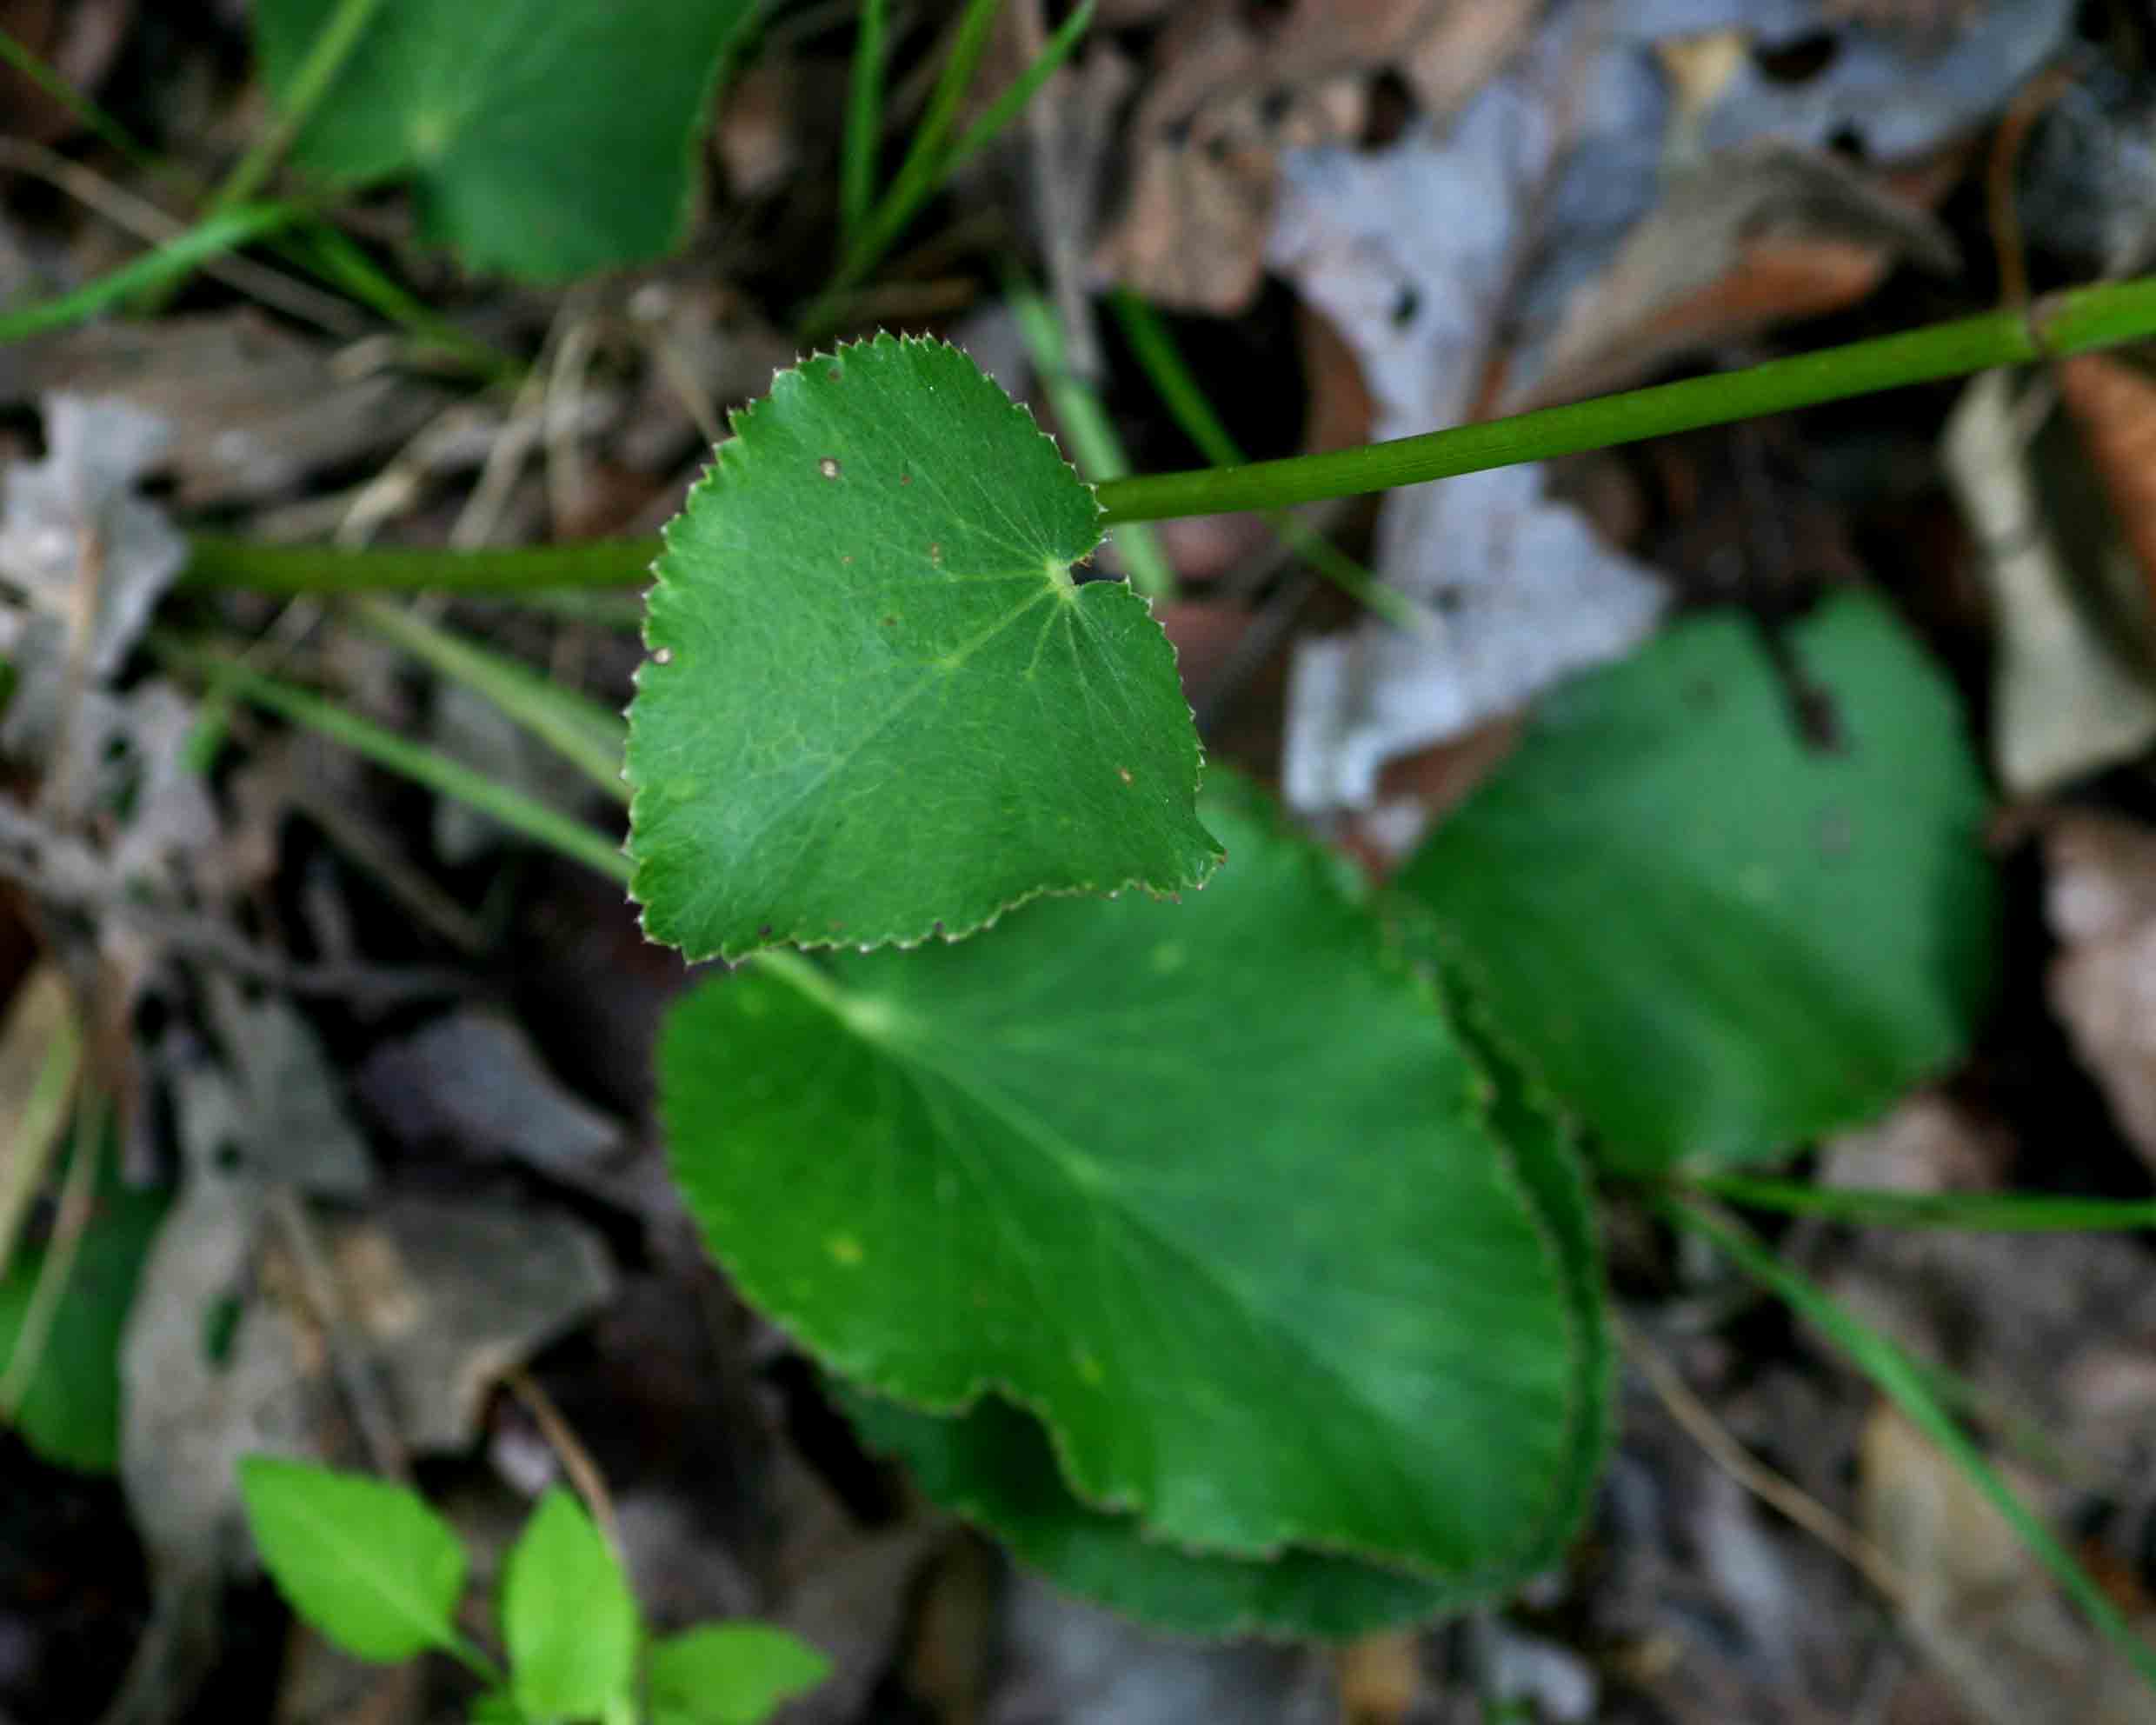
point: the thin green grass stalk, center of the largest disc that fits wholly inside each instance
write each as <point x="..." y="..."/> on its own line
<point x="400" y="755"/>
<point x="78" y="1195"/>
<point x="932" y="158"/>
<point x="47" y="79"/>
<point x="163" y="266"/>
<point x="2081" y="321"/>
<point x="864" y="121"/>
<point x="222" y="560"/>
<point x="1153" y="345"/>
<point x="581" y="730"/>
<point x="321" y="251"/>
<point x="328" y="253"/>
<point x="2077" y="321"/>
<point x="326" y="57"/>
<point x="919" y="174"/>
<point x="1085" y="422"/>
<point x="1973" y="1212"/>
<point x="1905" y="1383"/>
<point x="35" y="1133"/>
<point x="1022" y="89"/>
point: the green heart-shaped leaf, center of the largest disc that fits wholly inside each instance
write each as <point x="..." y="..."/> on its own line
<point x="993" y="1465"/>
<point x="1208" y="1188"/>
<point x="877" y="707"/>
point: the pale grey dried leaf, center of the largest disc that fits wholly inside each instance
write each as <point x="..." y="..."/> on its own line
<point x="73" y="533"/>
<point x="1892" y="95"/>
<point x="1417" y="254"/>
<point x="295" y="1129"/>
<point x="473" y="1078"/>
<point x="191" y="1411"/>
<point x="2064" y="704"/>
<point x="1081" y="1665"/>
<point x="449" y="1294"/>
<point x="264" y="407"/>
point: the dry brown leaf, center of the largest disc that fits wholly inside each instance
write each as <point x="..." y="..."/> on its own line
<point x="1380" y="1678"/>
<point x="1227" y="98"/>
<point x="2100" y="899"/>
<point x="1982" y="1605"/>
<point x="2114" y="403"/>
<point x="2064" y="702"/>
<point x="1757" y="237"/>
<point x="261" y="406"/>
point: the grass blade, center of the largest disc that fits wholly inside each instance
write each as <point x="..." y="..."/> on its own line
<point x="1022" y="89"/>
<point x="581" y="730"/>
<point x="1152" y="344"/>
<point x="1906" y="1383"/>
<point x="1975" y="1212"/>
<point x="47" y="79"/>
<point x="932" y="157"/>
<point x="43" y="1012"/>
<point x="77" y="1195"/>
<point x="332" y="46"/>
<point x="864" y="121"/>
<point x="400" y="755"/>
<point x="167" y="263"/>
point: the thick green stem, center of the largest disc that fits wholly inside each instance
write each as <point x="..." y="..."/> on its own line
<point x="2076" y="321"/>
<point x="2063" y="323"/>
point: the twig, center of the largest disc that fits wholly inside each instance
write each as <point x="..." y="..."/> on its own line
<point x="2028" y="107"/>
<point x="66" y="873"/>
<point x="145" y="221"/>
<point x="348" y="1357"/>
<point x="1771" y="1489"/>
<point x="575" y="1459"/>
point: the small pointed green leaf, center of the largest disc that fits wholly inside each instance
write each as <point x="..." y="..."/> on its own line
<point x="730" y="1673"/>
<point x="567" y="1618"/>
<point x="877" y="707"/>
<point x="1714" y="937"/>
<point x="543" y="139"/>
<point x="366" y="1563"/>
<point x="1207" y="1188"/>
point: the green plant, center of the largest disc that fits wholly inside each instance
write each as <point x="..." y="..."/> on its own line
<point x="381" y="1574"/>
<point x="1216" y="1230"/>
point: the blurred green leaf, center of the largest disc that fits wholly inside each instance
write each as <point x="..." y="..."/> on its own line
<point x="543" y="139"/>
<point x="1713" y="938"/>
<point x="366" y="1563"/>
<point x="730" y="1673"/>
<point x="567" y="1618"/>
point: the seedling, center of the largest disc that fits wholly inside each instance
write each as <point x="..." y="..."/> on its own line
<point x="378" y="1573"/>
